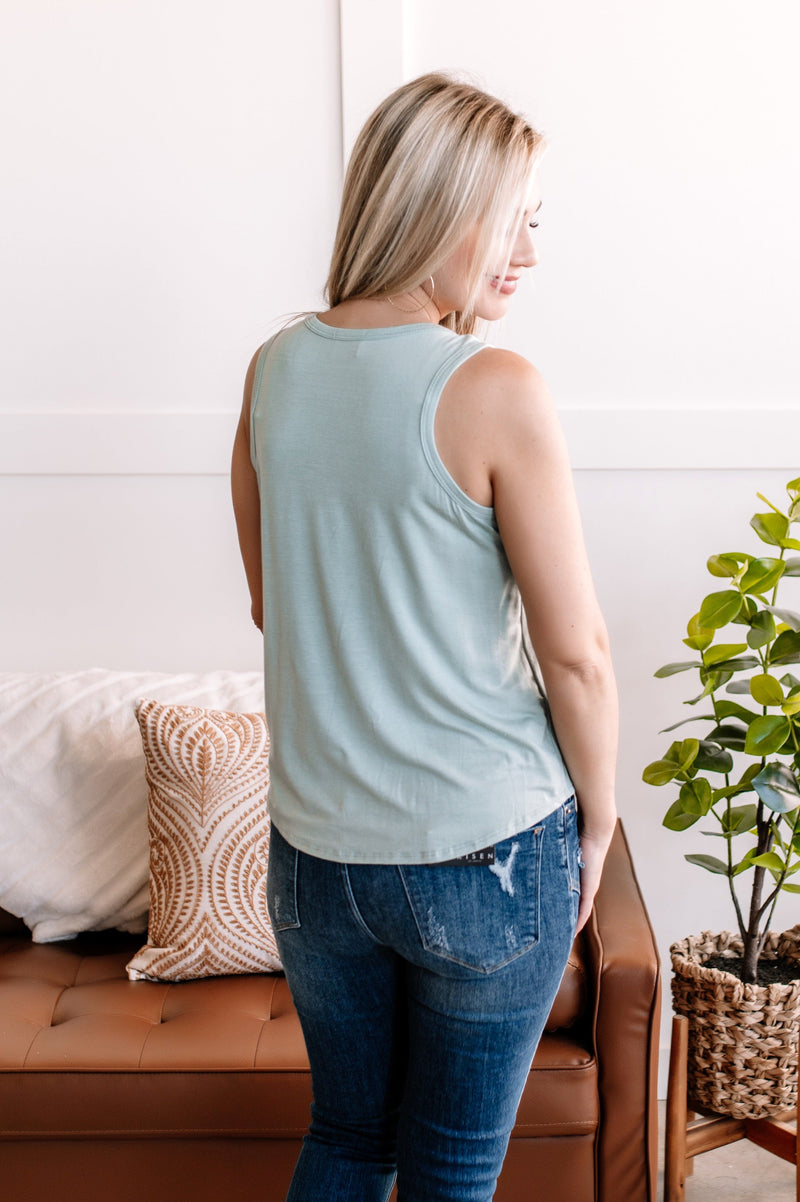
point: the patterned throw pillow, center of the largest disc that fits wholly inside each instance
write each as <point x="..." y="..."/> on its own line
<point x="207" y="776"/>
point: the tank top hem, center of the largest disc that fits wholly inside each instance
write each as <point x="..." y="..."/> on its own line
<point x="346" y="849"/>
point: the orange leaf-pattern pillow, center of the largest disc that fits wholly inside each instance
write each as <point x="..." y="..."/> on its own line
<point x="207" y="775"/>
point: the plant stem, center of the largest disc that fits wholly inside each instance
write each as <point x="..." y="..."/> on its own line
<point x="751" y="938"/>
<point x="727" y="826"/>
<point x="775" y="894"/>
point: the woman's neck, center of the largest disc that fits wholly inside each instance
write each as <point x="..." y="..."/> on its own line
<point x="377" y="312"/>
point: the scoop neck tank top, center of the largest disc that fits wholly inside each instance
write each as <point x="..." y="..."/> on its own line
<point x="405" y="718"/>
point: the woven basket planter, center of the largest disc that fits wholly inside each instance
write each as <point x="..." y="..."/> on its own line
<point x="742" y="1038"/>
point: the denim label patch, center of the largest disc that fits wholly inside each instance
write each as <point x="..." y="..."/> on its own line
<point x="484" y="856"/>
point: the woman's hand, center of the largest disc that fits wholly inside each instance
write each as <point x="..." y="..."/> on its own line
<point x="593" y="854"/>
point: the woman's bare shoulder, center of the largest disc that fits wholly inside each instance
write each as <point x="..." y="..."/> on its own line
<point x="502" y="386"/>
<point x="499" y="369"/>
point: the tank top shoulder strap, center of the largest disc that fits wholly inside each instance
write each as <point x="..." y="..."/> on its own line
<point x="464" y="349"/>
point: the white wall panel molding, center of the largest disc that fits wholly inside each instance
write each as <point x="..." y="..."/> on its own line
<point x="116" y="444"/>
<point x="199" y="444"/>
<point x="683" y="439"/>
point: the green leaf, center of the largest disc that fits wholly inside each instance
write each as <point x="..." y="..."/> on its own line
<point x="788" y="616"/>
<point x="765" y="689"/>
<point x="676" y="818"/>
<point x="712" y="758"/>
<point x="685" y="721"/>
<point x="729" y="791"/>
<point x="770" y="527"/>
<point x="673" y="669"/>
<point x="767" y="501"/>
<point x="767" y="735"/>
<point x="791" y="888"/>
<point x="739" y="686"/>
<point x="726" y="565"/>
<point x="684" y="752"/>
<point x="700" y="637"/>
<point x="740" y="819"/>
<point x="747" y="612"/>
<point x="722" y="651"/>
<point x="773" y="527"/>
<point x="718" y="609"/>
<point x="731" y="709"/>
<point x="769" y="860"/>
<point x="729" y="735"/>
<point x="793" y="489"/>
<point x="786" y="648"/>
<point x="660" y="772"/>
<point x="792" y="567"/>
<point x="790" y="682"/>
<point x="695" y="797"/>
<point x="761" y="576"/>
<point x="718" y="676"/>
<point x="762" y="630"/>
<point x="740" y="664"/>
<point x="678" y="760"/>
<point x="791" y="705"/>
<point x="776" y="785"/>
<point x="745" y="862"/>
<point x="711" y="863"/>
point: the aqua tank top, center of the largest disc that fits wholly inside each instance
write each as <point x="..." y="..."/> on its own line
<point x="405" y="718"/>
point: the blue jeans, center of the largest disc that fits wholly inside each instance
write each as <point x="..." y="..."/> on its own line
<point x="422" y="991"/>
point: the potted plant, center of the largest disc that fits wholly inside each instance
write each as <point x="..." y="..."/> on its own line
<point x="741" y="992"/>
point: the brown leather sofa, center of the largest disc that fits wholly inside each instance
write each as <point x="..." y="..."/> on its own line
<point x="112" y="1090"/>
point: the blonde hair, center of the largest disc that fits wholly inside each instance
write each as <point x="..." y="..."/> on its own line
<point x="436" y="159"/>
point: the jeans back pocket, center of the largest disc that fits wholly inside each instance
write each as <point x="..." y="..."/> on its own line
<point x="480" y="917"/>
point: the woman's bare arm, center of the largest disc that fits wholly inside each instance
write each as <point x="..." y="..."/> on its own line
<point x="504" y="408"/>
<point x="246" y="503"/>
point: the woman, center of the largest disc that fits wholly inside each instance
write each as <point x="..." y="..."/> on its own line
<point x="402" y="494"/>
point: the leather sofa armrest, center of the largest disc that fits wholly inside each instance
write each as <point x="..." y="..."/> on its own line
<point x="625" y="967"/>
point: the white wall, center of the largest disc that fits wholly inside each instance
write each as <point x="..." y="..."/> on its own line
<point x="173" y="173"/>
<point x="668" y="237"/>
<point x="169" y="176"/>
<point x="170" y="181"/>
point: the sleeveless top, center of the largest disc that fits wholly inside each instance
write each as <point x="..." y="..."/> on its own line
<point x="405" y="716"/>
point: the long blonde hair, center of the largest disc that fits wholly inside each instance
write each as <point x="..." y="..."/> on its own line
<point x="436" y="158"/>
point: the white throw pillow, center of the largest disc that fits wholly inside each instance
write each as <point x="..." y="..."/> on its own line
<point x="73" y="795"/>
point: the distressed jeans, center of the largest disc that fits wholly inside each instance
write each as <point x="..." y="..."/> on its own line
<point x="422" y="991"/>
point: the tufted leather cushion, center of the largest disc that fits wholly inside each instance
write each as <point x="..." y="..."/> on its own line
<point x="92" y="1052"/>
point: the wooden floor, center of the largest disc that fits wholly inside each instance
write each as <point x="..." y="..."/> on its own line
<point x="739" y="1172"/>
